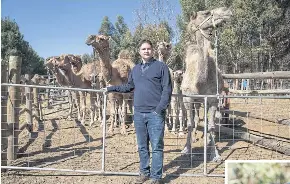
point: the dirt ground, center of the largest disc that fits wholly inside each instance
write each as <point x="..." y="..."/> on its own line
<point x="61" y="144"/>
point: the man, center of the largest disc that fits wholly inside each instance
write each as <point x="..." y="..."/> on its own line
<point x="150" y="80"/>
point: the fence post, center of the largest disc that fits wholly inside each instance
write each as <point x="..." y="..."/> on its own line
<point x="13" y="108"/>
<point x="4" y="127"/>
<point x="28" y="95"/>
<point x="36" y="104"/>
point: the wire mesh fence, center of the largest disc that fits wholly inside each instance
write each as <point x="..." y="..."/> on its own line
<point x="251" y="128"/>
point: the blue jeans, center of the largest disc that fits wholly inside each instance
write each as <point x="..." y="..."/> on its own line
<point x="150" y="127"/>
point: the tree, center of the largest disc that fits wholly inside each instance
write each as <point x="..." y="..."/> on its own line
<point x="107" y="28"/>
<point x="87" y="58"/>
<point x="122" y="36"/>
<point x="13" y="43"/>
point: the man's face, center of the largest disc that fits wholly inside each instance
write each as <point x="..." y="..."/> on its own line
<point x="146" y="51"/>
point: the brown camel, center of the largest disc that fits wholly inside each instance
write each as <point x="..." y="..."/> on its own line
<point x="111" y="75"/>
<point x="62" y="80"/>
<point x="201" y="71"/>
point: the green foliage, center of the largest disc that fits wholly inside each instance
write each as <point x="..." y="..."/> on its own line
<point x="13" y="43"/>
<point x="87" y="58"/>
<point x="107" y="28"/>
<point x="257" y="173"/>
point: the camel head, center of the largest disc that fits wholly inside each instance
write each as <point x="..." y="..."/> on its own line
<point x="125" y="54"/>
<point x="98" y="42"/>
<point x="38" y="79"/>
<point x="208" y="19"/>
<point x="64" y="62"/>
<point x="51" y="63"/>
<point x="58" y="64"/>
<point x="164" y="48"/>
<point x="76" y="63"/>
<point x="177" y="76"/>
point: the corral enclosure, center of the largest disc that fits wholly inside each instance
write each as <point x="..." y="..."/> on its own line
<point x="58" y="144"/>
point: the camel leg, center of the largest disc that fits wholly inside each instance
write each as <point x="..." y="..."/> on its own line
<point x="70" y="102"/>
<point x="130" y="105"/>
<point x="96" y="109"/>
<point x="123" y="114"/>
<point x="175" y="114"/>
<point x="183" y="115"/>
<point x="187" y="147"/>
<point x="112" y="116"/>
<point x="92" y="107"/>
<point x="196" y="121"/>
<point x="99" y="107"/>
<point x="168" y="121"/>
<point x="215" y="156"/>
<point x="76" y="102"/>
<point x="83" y="107"/>
<point x="116" y="110"/>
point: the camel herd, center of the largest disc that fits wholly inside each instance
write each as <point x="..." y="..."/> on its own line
<point x="201" y="76"/>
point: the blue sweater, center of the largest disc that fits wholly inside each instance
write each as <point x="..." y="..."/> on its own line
<point x="151" y="84"/>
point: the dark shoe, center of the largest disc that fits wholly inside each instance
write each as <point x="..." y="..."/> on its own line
<point x="152" y="181"/>
<point x="141" y="179"/>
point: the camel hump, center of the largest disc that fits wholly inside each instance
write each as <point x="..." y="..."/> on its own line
<point x="125" y="54"/>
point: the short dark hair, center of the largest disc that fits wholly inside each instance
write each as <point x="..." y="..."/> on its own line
<point x="145" y="41"/>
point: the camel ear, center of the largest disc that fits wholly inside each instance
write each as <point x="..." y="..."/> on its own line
<point x="193" y="15"/>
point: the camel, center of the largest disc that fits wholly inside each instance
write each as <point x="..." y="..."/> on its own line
<point x="35" y="80"/>
<point x="124" y="65"/>
<point x="90" y="72"/>
<point x="176" y="102"/>
<point x="163" y="53"/>
<point x="63" y="80"/>
<point x="111" y="75"/>
<point x="81" y="80"/>
<point x="200" y="74"/>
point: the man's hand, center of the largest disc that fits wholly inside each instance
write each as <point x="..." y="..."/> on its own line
<point x="105" y="90"/>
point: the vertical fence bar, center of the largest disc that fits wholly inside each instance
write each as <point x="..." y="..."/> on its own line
<point x="13" y="108"/>
<point x="28" y="106"/>
<point x="35" y="103"/>
<point x="4" y="126"/>
<point x="104" y="132"/>
<point x="205" y="136"/>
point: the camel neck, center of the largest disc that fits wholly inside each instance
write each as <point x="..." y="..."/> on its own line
<point x="176" y="87"/>
<point x="105" y="57"/>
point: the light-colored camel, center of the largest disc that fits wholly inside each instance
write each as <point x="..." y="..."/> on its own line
<point x="62" y="80"/>
<point x="35" y="80"/>
<point x="90" y="72"/>
<point x="78" y="80"/>
<point x="124" y="64"/>
<point x="111" y="75"/>
<point x="201" y="71"/>
<point x="176" y="101"/>
<point x="163" y="53"/>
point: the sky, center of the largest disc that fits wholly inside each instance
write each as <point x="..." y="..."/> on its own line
<point x="55" y="27"/>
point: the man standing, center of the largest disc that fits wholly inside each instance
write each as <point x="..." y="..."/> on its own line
<point x="150" y="80"/>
